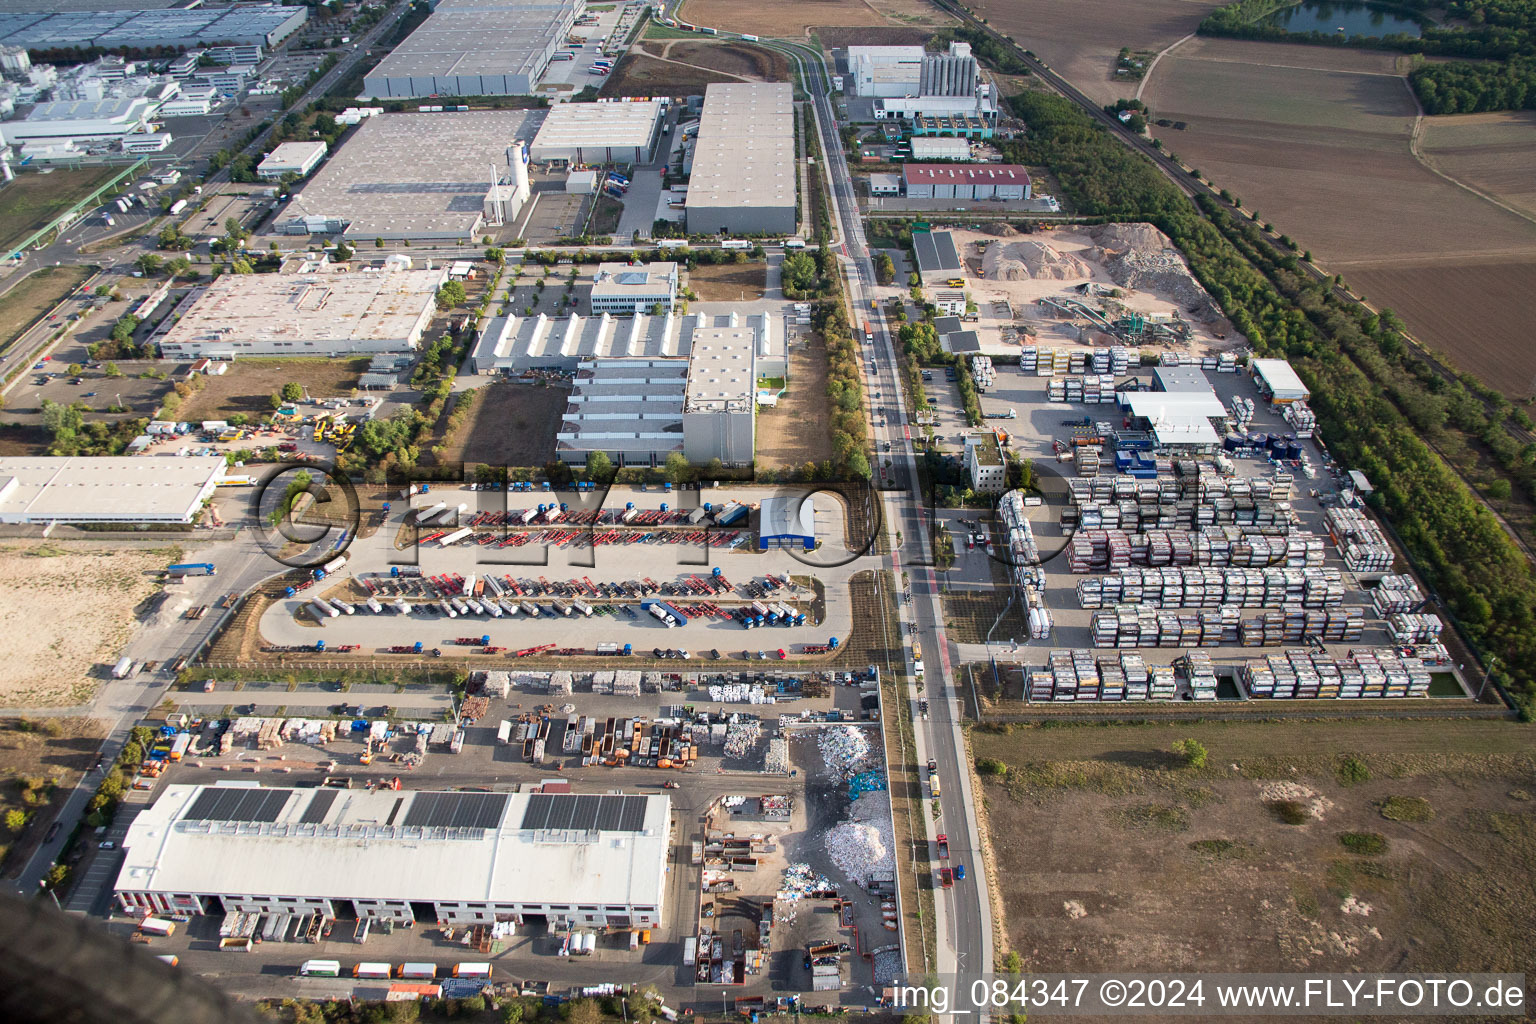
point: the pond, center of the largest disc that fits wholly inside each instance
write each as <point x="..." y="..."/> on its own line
<point x="1356" y="19"/>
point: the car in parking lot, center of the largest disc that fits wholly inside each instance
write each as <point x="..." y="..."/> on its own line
<point x="106" y="844"/>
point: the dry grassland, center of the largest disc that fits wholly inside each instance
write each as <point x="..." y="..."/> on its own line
<point x="790" y="18"/>
<point x="728" y="282"/>
<point x="1136" y="862"/>
<point x="65" y="613"/>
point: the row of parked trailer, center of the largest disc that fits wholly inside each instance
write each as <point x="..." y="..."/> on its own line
<point x="381" y="970"/>
<point x="585" y="537"/>
<point x="561" y="513"/>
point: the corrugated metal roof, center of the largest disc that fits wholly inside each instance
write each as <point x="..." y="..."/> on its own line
<point x="955" y="174"/>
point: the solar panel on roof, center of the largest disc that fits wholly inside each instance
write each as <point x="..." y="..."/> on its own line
<point x="230" y="804"/>
<point x="584" y="813"/>
<point x="319" y="807"/>
<point x="456" y="810"/>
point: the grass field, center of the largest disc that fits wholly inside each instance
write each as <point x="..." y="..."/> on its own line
<point x="1137" y="862"/>
<point x="1082" y="40"/>
<point x="1324" y="154"/>
<point x="40" y="761"/>
<point x="728" y="282"/>
<point x="39" y="292"/>
<point x="250" y="383"/>
<point x="794" y="18"/>
<point x="31" y="201"/>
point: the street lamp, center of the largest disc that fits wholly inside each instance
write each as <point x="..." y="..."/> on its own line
<point x="1487" y="671"/>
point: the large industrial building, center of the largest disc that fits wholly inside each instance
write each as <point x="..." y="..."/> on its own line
<point x="743" y="177"/>
<point x="80" y="121"/>
<point x="973" y="181"/>
<point x="331" y="310"/>
<point x="441" y="176"/>
<point x="476" y="48"/>
<point x="624" y="289"/>
<point x="907" y="82"/>
<point x="624" y="132"/>
<point x="291" y="158"/>
<point x="261" y="24"/>
<point x="719" y="403"/>
<point x="562" y="860"/>
<point x="46" y="489"/>
<point x="938" y="259"/>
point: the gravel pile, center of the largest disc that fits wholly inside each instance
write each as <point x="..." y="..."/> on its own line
<point x="845" y="749"/>
<point x="777" y="760"/>
<point x="866" y="845"/>
<point x="1031" y="260"/>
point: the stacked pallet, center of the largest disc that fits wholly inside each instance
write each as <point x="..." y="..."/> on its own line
<point x="1099" y="550"/>
<point x="1359" y="539"/>
<point x="1200" y="587"/>
<point x="1294" y="625"/>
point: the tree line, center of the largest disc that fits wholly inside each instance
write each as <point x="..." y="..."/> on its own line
<point x="1376" y="403"/>
<point x="1502" y="32"/>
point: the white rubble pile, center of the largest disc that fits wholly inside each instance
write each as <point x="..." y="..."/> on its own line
<point x="845" y="749"/>
<point x="777" y="760"/>
<point x="741" y="737"/>
<point x="865" y="845"/>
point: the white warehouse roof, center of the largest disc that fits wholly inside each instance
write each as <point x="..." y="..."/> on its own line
<point x="1178" y="417"/>
<point x="1280" y="379"/>
<point x="426" y="846"/>
<point x="40" y="489"/>
<point x="745" y="153"/>
<point x="586" y="125"/>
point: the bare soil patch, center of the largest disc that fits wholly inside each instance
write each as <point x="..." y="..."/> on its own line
<point x="729" y="282"/>
<point x="17" y="439"/>
<point x="1081" y="40"/>
<point x="787" y="18"/>
<point x="512" y="425"/>
<point x="1476" y="313"/>
<point x="744" y="61"/>
<point x="249" y="384"/>
<point x="40" y="761"/>
<point x="1495" y="153"/>
<point x="1130" y="861"/>
<point x="795" y="431"/>
<point x="33" y="199"/>
<point x="66" y="613"/>
<point x="639" y="75"/>
<point x="872" y="35"/>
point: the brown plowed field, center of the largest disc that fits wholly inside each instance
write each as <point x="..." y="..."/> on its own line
<point x="791" y="18"/>
<point x="743" y="60"/>
<point x="1322" y="151"/>
<point x="1081" y="39"/>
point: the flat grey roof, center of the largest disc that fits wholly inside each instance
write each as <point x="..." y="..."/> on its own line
<point x="41" y="487"/>
<point x="117" y="28"/>
<point x="414" y="174"/>
<point x="745" y="153"/>
<point x="936" y="253"/>
<point x="720" y="370"/>
<point x="479" y="37"/>
<point x="570" y="125"/>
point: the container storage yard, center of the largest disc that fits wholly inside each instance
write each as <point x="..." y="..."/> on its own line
<point x="1192" y="540"/>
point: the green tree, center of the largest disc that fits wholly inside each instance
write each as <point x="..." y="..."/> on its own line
<point x="343" y="253"/>
<point x="1192" y="752"/>
<point x="74" y="369"/>
<point x="240" y="265"/>
<point x="15" y="819"/>
<point x="62" y="421"/>
<point x="57" y="876"/>
<point x="451" y="294"/>
<point x="149" y="263"/>
<point x="599" y="466"/>
<point x="496" y="256"/>
<point x="180" y="267"/>
<point x="677" y="468"/>
<point x="582" y="1011"/>
<point x="111" y="370"/>
<point x="275" y="400"/>
<point x="293" y="391"/>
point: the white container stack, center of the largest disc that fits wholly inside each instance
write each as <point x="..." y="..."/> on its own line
<point x="1201" y="674"/>
<point x="982" y="373"/>
<point x="1396" y="594"/>
<point x="1414" y="628"/>
<point x="1301" y="419"/>
<point x="1359" y="539"/>
<point x="1361" y="674"/>
<point x="1195" y="587"/>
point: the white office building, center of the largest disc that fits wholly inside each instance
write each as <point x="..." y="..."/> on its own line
<point x="622" y="289"/>
<point x="291" y="158"/>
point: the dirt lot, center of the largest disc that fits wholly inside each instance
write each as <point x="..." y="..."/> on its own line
<point x="639" y="75"/>
<point x="1324" y="155"/>
<point x="1139" y="863"/>
<point x="17" y="439"/>
<point x="785" y="18"/>
<point x="1081" y="40"/>
<point x="39" y="292"/>
<point x="33" y="199"/>
<point x="513" y="425"/>
<point x="1495" y="153"/>
<point x="68" y="610"/>
<point x="795" y="431"/>
<point x="749" y="63"/>
<point x="729" y="282"/>
<point x="40" y="760"/>
<point x="250" y="383"/>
